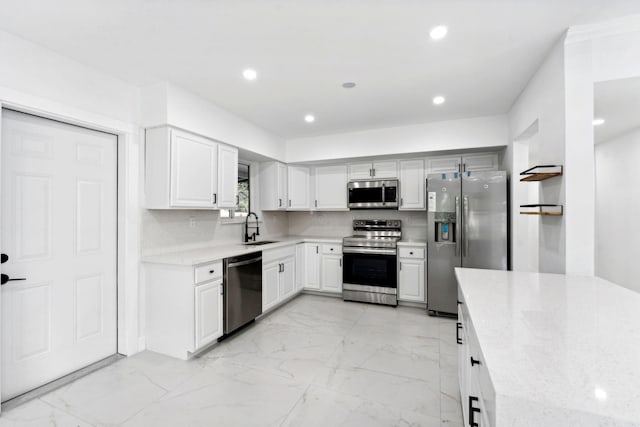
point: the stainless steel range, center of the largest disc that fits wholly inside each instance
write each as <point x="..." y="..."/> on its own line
<point x="370" y="272"/>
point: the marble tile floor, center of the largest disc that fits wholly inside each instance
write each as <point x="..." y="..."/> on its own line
<point x="317" y="361"/>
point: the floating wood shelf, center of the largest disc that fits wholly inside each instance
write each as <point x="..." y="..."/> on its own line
<point x="541" y="172"/>
<point x="543" y="209"/>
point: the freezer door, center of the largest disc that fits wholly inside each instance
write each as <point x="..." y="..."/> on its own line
<point x="443" y="249"/>
<point x="484" y="218"/>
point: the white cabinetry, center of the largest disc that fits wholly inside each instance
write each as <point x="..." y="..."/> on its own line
<point x="183" y="307"/>
<point x="466" y="163"/>
<point x="331" y="187"/>
<point x="180" y="170"/>
<point x="412" y="182"/>
<point x="273" y="186"/>
<point x="321" y="267"/>
<point x="476" y="393"/>
<point x="374" y="170"/>
<point x="278" y="276"/>
<point x="227" y="176"/>
<point x="299" y="194"/>
<point x="411" y="265"/>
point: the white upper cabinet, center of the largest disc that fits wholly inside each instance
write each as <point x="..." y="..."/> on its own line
<point x="273" y="186"/>
<point x="376" y="170"/>
<point x="481" y="162"/>
<point x="227" y="176"/>
<point x="298" y="188"/>
<point x="412" y="182"/>
<point x="443" y="164"/>
<point x="331" y="187"/>
<point x="181" y="170"/>
<point x="466" y="163"/>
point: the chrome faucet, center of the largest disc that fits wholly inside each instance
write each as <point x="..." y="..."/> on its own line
<point x="246" y="228"/>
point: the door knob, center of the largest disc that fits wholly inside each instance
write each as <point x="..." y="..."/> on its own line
<point x="4" y="279"/>
<point x="4" y="258"/>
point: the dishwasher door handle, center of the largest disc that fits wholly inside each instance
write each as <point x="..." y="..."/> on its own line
<point x="241" y="263"/>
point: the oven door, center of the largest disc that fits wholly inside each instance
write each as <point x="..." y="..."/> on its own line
<point x="369" y="267"/>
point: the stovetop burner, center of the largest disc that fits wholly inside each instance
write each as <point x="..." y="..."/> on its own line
<point x="374" y="233"/>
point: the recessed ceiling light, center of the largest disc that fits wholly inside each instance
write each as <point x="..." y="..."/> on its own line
<point x="438" y="100"/>
<point x="348" y="85"/>
<point x="439" y="32"/>
<point x="598" y="122"/>
<point x="249" y="74"/>
<point x="309" y="118"/>
<point x="600" y="394"/>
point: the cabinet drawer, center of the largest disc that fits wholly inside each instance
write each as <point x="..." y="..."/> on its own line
<point x="331" y="249"/>
<point x="417" y="253"/>
<point x="207" y="272"/>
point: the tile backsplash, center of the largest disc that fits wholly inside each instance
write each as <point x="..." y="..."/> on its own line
<point x="171" y="230"/>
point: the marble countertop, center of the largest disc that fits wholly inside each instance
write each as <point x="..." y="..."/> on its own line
<point x="211" y="253"/>
<point x="564" y="350"/>
<point x="412" y="243"/>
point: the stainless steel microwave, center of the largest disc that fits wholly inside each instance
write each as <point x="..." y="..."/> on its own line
<point x="379" y="194"/>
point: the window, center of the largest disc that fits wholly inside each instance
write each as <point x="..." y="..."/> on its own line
<point x="243" y="195"/>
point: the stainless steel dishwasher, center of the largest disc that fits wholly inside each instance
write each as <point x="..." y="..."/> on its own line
<point x="242" y="290"/>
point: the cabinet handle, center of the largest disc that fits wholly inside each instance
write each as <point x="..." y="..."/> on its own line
<point x="401" y="201"/>
<point x="458" y="327"/>
<point x="215" y="198"/>
<point x="316" y="203"/>
<point x="464" y="167"/>
<point x="475" y="362"/>
<point x="370" y="172"/>
<point x="410" y="253"/>
<point x="211" y="271"/>
<point x="374" y="172"/>
<point x="340" y="262"/>
<point x="459" y="302"/>
<point x="400" y="266"/>
<point x="237" y="200"/>
<point x="221" y="289"/>
<point x="331" y="249"/>
<point x="279" y="203"/>
<point x="289" y="202"/>
<point x="473" y="411"/>
<point x="316" y="249"/>
<point x="458" y="166"/>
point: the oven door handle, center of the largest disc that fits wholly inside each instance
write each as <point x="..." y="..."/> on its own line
<point x="367" y="251"/>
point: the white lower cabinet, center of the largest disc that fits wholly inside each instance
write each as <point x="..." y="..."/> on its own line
<point x="476" y="393"/>
<point x="278" y="276"/>
<point x="411" y="273"/>
<point x="184" y="307"/>
<point x="320" y="266"/>
<point x="209" y="313"/>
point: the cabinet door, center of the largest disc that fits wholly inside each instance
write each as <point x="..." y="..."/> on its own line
<point x="443" y="165"/>
<point x="208" y="304"/>
<point x="361" y="171"/>
<point x="411" y="286"/>
<point x="331" y="278"/>
<point x="298" y="188"/>
<point x="300" y="267"/>
<point x="194" y="180"/>
<point x="383" y="170"/>
<point x="463" y="365"/>
<point x="312" y="266"/>
<point x="270" y="276"/>
<point x="331" y="187"/>
<point x="480" y="162"/>
<point x="412" y="182"/>
<point x="281" y="171"/>
<point x="286" y="285"/>
<point x="227" y="176"/>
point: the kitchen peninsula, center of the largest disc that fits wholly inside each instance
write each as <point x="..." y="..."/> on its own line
<point x="547" y="350"/>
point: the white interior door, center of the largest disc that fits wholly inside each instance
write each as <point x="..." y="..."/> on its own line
<point x="58" y="228"/>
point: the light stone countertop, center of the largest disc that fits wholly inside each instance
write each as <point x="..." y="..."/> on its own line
<point x="211" y="253"/>
<point x="560" y="350"/>
<point x="412" y="243"/>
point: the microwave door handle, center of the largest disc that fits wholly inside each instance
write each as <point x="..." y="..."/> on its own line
<point x="383" y="195"/>
<point x="458" y="225"/>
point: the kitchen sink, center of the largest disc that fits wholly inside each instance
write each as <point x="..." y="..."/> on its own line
<point x="263" y="242"/>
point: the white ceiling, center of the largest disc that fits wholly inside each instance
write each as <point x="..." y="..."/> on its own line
<point x="304" y="50"/>
<point x="618" y="103"/>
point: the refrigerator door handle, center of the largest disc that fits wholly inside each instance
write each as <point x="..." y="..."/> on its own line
<point x="465" y="220"/>
<point x="458" y="224"/>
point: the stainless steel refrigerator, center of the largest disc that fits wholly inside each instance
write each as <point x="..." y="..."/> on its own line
<point x="466" y="227"/>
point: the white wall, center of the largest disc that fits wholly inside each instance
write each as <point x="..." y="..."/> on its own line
<point x="618" y="210"/>
<point x="593" y="53"/>
<point x="541" y="101"/>
<point x="168" y="104"/>
<point x="462" y="134"/>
